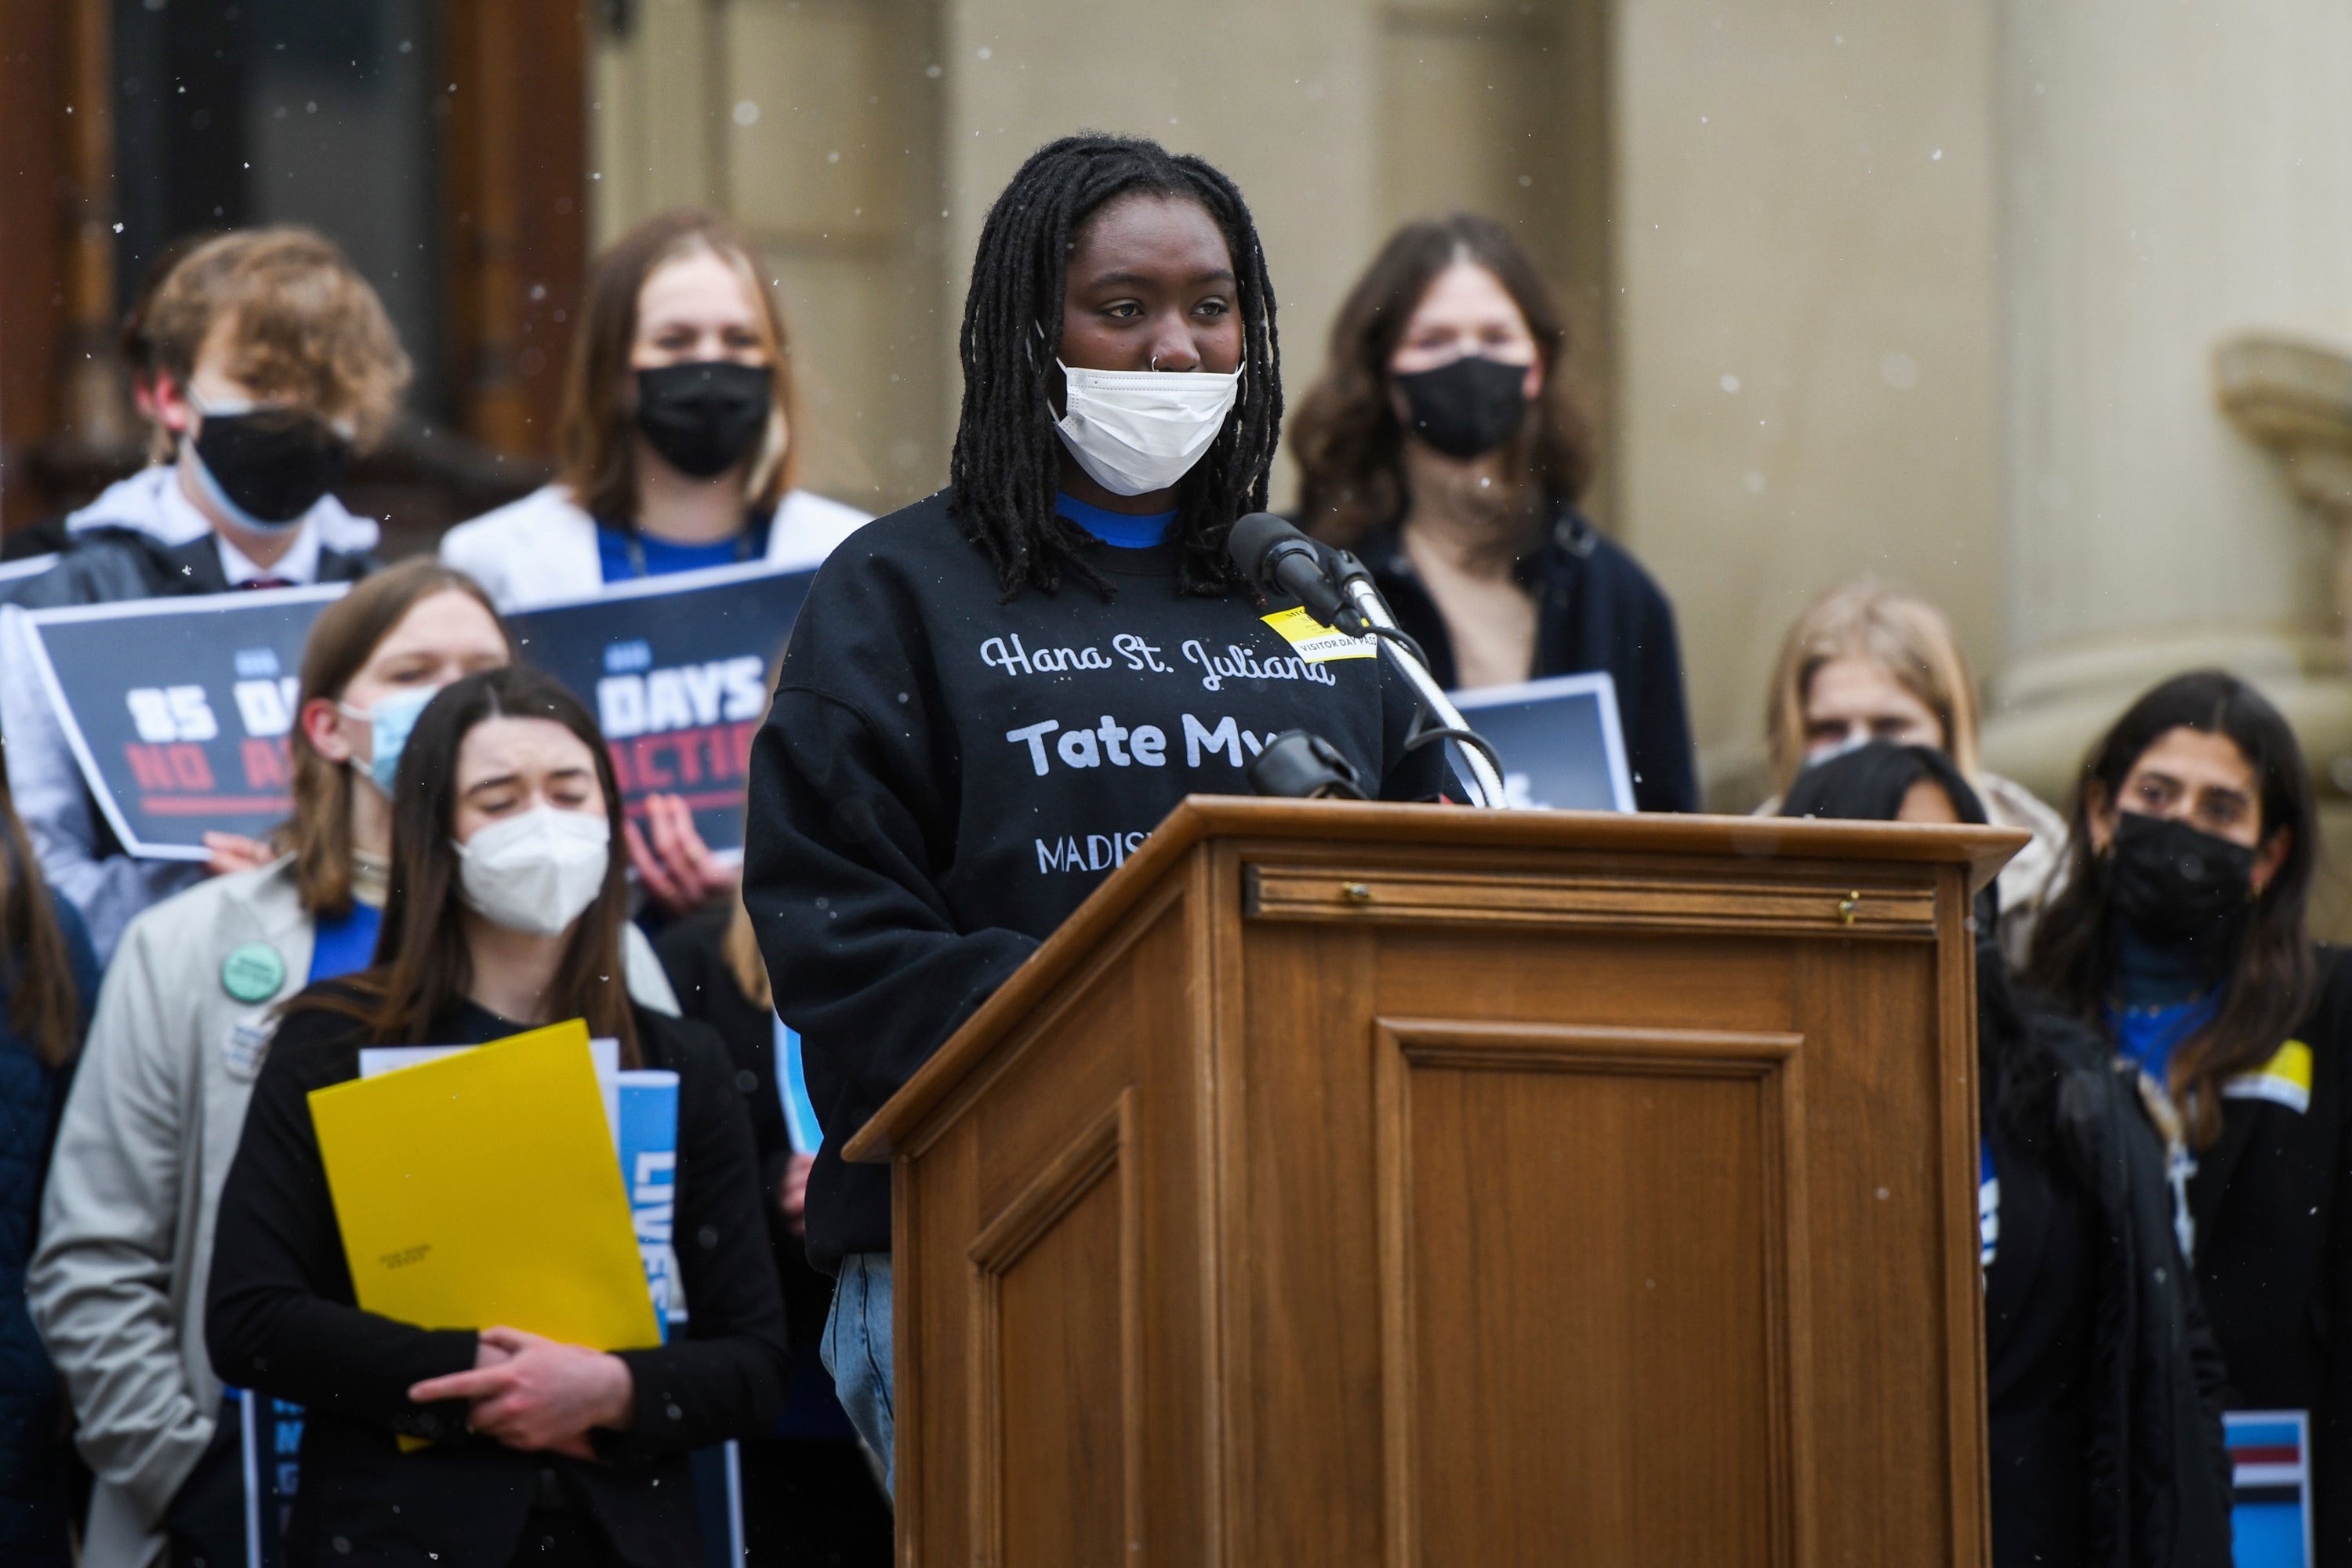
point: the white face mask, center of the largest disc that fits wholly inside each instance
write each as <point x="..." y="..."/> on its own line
<point x="1138" y="430"/>
<point x="536" y="871"/>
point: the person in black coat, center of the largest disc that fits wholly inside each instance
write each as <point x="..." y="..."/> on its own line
<point x="1444" y="447"/>
<point x="505" y="913"/>
<point x="809" y="1495"/>
<point x="2182" y="937"/>
<point x="2102" y="1384"/>
<point x="48" y="982"/>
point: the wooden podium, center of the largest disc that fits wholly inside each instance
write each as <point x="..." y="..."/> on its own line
<point x="1408" y="1185"/>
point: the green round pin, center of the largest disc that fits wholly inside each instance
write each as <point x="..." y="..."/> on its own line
<point x="252" y="972"/>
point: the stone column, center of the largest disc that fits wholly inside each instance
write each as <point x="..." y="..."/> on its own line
<point x="2172" y="176"/>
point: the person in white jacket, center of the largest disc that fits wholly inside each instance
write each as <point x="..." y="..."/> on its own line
<point x="182" y="1022"/>
<point x="681" y="448"/>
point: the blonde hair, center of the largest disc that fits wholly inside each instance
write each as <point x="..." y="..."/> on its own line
<point x="302" y="324"/>
<point x="1907" y="637"/>
<point x="598" y="433"/>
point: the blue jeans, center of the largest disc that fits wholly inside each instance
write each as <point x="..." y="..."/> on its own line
<point x="856" y="1351"/>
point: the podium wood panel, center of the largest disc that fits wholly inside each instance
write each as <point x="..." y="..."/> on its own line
<point x="1371" y="1184"/>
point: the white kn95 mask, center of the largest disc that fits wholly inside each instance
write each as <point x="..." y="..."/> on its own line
<point x="1138" y="430"/>
<point x="536" y="871"/>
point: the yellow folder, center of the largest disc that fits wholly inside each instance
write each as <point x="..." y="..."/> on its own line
<point x="481" y="1189"/>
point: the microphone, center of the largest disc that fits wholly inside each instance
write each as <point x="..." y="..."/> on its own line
<point x="1279" y="560"/>
<point x="1338" y="591"/>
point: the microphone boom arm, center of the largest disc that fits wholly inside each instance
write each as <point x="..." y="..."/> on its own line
<point x="1483" y="779"/>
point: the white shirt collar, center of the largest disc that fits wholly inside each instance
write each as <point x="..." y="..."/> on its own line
<point x="298" y="565"/>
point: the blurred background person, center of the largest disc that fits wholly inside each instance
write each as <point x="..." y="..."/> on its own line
<point x="48" y="980"/>
<point x="182" y="1025"/>
<point x="274" y="364"/>
<point x="506" y="911"/>
<point x="809" y="1496"/>
<point x="1863" y="663"/>
<point x="682" y="445"/>
<point x="1444" y="447"/>
<point x="2181" y="936"/>
<point x="2102" y="1384"/>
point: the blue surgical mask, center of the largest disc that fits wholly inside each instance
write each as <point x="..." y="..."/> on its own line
<point x="389" y="722"/>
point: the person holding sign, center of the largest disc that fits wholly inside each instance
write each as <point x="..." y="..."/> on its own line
<point x="682" y="438"/>
<point x="505" y="912"/>
<point x="2103" y="1383"/>
<point x="183" y="1024"/>
<point x="274" y="366"/>
<point x="993" y="696"/>
<point x="2182" y="935"/>
<point x="1443" y="446"/>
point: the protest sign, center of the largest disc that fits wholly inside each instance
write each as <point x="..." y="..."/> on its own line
<point x="676" y="670"/>
<point x="177" y="709"/>
<point x="1561" y="746"/>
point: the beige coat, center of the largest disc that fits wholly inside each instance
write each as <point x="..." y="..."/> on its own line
<point x="118" y="1285"/>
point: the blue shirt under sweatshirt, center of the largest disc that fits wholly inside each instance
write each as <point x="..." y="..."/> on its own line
<point x="1121" y="530"/>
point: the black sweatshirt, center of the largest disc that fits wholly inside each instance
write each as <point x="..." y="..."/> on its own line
<point x="944" y="778"/>
<point x="280" y="1319"/>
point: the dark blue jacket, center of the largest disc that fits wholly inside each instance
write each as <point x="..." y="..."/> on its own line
<point x="1596" y="609"/>
<point x="32" y="1442"/>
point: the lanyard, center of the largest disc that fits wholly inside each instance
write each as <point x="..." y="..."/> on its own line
<point x="744" y="542"/>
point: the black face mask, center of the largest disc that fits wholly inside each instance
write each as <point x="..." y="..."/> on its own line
<point x="272" y="465"/>
<point x="1468" y="407"/>
<point x="703" y="418"/>
<point x="2170" y="882"/>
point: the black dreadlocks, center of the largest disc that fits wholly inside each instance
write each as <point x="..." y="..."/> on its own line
<point x="1007" y="464"/>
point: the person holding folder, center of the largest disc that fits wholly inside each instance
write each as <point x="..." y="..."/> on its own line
<point x="505" y="912"/>
<point x="183" y="1021"/>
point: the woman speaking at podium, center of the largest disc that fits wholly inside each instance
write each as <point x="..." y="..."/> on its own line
<point x="505" y="912"/>
<point x="991" y="697"/>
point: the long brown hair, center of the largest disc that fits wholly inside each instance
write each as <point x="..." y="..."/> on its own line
<point x="423" y="966"/>
<point x="598" y="437"/>
<point x="2271" y="973"/>
<point x="1346" y="434"/>
<point x="343" y="639"/>
<point x="35" y="970"/>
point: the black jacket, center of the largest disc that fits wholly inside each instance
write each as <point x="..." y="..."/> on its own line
<point x="946" y="774"/>
<point x="32" y="1417"/>
<point x="692" y="953"/>
<point x="2110" y="1454"/>
<point x="280" y="1319"/>
<point x="107" y="565"/>
<point x="2273" y="1202"/>
<point x="1597" y="609"/>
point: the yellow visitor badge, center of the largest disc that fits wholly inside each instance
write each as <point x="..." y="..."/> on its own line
<point x="1313" y="641"/>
